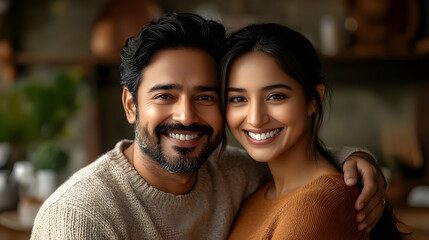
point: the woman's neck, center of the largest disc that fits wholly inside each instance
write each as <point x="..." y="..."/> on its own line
<point x="294" y="169"/>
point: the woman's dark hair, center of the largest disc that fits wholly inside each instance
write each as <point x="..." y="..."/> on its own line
<point x="298" y="58"/>
<point x="387" y="226"/>
<point x="292" y="52"/>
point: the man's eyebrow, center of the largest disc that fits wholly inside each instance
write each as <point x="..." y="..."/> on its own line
<point x="164" y="87"/>
<point x="276" y="86"/>
<point x="207" y="89"/>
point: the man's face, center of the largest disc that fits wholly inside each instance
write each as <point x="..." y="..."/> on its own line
<point x="178" y="122"/>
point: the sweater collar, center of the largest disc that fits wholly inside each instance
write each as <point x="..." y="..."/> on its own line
<point x="146" y="192"/>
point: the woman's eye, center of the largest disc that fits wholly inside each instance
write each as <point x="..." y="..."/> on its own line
<point x="276" y="97"/>
<point x="237" y="99"/>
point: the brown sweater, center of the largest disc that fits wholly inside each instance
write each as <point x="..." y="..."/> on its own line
<point x="322" y="209"/>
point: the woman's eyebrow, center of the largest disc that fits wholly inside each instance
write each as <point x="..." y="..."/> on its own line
<point x="235" y="90"/>
<point x="266" y="88"/>
<point x="276" y="86"/>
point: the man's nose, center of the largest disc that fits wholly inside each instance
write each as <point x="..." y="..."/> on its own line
<point x="184" y="112"/>
<point x="257" y="115"/>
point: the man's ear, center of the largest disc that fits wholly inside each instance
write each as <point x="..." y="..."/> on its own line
<point x="129" y="105"/>
<point x="312" y="108"/>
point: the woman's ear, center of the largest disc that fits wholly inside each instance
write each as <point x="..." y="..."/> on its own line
<point x="129" y="105"/>
<point x="320" y="88"/>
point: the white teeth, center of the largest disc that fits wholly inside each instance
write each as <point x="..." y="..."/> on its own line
<point x="263" y="136"/>
<point x="183" y="137"/>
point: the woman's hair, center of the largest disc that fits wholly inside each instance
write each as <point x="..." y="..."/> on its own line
<point x="298" y="58"/>
<point x="293" y="53"/>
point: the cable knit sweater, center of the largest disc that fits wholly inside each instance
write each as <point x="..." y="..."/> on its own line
<point x="321" y="209"/>
<point x="108" y="199"/>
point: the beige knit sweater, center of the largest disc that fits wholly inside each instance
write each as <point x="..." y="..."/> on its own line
<point x="109" y="200"/>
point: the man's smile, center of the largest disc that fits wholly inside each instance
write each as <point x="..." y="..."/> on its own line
<point x="183" y="137"/>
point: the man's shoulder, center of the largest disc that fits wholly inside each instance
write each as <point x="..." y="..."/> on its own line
<point x="84" y="198"/>
<point x="87" y="185"/>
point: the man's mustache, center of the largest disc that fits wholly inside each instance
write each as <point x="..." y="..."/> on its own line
<point x="163" y="128"/>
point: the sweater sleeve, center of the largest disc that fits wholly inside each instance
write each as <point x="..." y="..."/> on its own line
<point x="62" y="221"/>
<point x="340" y="154"/>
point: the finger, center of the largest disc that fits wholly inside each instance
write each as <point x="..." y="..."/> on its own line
<point x="370" y="186"/>
<point x="372" y="214"/>
<point x="350" y="171"/>
<point x="375" y="214"/>
<point x="366" y="211"/>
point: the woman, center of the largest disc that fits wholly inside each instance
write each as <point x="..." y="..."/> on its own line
<point x="273" y="90"/>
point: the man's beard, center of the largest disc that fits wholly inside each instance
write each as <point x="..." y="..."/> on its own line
<point x="150" y="144"/>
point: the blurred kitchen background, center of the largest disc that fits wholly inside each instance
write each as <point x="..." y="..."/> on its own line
<point x="60" y="97"/>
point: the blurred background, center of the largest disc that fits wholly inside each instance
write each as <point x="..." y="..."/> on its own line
<point x="60" y="97"/>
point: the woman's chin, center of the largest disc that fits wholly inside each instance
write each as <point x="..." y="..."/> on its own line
<point x="259" y="157"/>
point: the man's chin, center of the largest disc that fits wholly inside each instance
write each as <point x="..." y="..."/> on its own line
<point x="183" y="165"/>
<point x="185" y="151"/>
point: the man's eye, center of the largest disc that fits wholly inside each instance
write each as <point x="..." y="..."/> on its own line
<point x="206" y="98"/>
<point x="163" y="97"/>
<point x="237" y="99"/>
<point x="276" y="97"/>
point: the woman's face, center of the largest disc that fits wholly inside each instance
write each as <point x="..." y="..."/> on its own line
<point x="267" y="111"/>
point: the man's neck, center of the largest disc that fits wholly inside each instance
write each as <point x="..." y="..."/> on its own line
<point x="158" y="177"/>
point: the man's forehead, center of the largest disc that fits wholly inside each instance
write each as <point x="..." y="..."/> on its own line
<point x="183" y="69"/>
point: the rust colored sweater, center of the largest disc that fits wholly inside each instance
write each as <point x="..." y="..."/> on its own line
<point x="322" y="209"/>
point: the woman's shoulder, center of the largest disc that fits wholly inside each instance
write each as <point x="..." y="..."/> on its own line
<point x="325" y="205"/>
<point x="331" y="186"/>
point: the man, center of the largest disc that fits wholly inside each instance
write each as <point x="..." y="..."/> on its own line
<point x="170" y="182"/>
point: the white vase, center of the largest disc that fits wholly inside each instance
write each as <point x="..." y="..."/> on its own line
<point x="47" y="182"/>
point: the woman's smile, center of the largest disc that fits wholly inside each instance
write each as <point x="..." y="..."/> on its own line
<point x="262" y="136"/>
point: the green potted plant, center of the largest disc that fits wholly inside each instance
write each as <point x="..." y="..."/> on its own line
<point x="49" y="156"/>
<point x="48" y="160"/>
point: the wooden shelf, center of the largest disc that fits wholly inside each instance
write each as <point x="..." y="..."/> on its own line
<point x="382" y="70"/>
<point x="23" y="58"/>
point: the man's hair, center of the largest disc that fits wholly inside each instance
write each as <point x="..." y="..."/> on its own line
<point x="171" y="31"/>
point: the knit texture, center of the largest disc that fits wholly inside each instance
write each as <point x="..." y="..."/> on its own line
<point x="108" y="199"/>
<point x="321" y="209"/>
